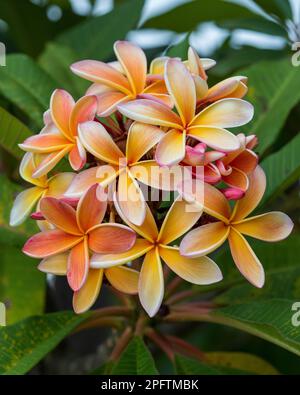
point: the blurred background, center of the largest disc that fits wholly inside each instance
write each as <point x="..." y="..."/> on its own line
<point x="253" y="38"/>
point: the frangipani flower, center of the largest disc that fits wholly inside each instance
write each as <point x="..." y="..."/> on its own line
<point x="233" y="224"/>
<point x="154" y="245"/>
<point x="124" y="167"/>
<point x="206" y="126"/>
<point x="54" y="186"/>
<point x="78" y="232"/>
<point x="237" y="165"/>
<point x="59" y="137"/>
<point x="120" y="81"/>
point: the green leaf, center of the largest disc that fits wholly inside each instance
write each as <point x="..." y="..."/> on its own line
<point x="135" y="360"/>
<point x="56" y="61"/>
<point x="282" y="8"/>
<point x="282" y="169"/>
<point x="13" y="132"/>
<point x="273" y="90"/>
<point x="24" y="344"/>
<point x="180" y="49"/>
<point x="26" y="85"/>
<point x="22" y="286"/>
<point x="95" y="37"/>
<point x="187" y="16"/>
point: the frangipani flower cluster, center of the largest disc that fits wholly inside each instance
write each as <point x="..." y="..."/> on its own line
<point x="136" y="130"/>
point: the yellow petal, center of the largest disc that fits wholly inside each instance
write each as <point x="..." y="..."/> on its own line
<point x="245" y="259"/>
<point x="140" y="248"/>
<point x="151" y="283"/>
<point x="204" y="239"/>
<point x="123" y="279"/>
<point x="216" y="138"/>
<point x="49" y="161"/>
<point x="179" y="219"/>
<point x="23" y="204"/>
<point x="274" y="226"/>
<point x="141" y="138"/>
<point x="157" y="65"/>
<point x="171" y="148"/>
<point x="56" y="264"/>
<point x="200" y="271"/>
<point x="58" y="184"/>
<point x="88" y="293"/>
<point x="27" y="168"/>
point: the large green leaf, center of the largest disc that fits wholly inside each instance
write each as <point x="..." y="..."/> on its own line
<point x="282" y="169"/>
<point x="22" y="286"/>
<point x="273" y="90"/>
<point x="13" y="132"/>
<point x="26" y="85"/>
<point x="94" y="38"/>
<point x="24" y="344"/>
<point x="180" y="49"/>
<point x="187" y="16"/>
<point x="135" y="360"/>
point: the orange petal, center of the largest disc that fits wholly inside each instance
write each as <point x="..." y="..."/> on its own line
<point x="123" y="279"/>
<point x="44" y="143"/>
<point x="140" y="248"/>
<point x="49" y="243"/>
<point x="23" y="204"/>
<point x="134" y="63"/>
<point x="181" y="87"/>
<point x="87" y="295"/>
<point x="141" y="138"/>
<point x="49" y="161"/>
<point x="179" y="219"/>
<point x="102" y="73"/>
<point x="203" y="240"/>
<point x="59" y="183"/>
<point x="60" y="214"/>
<point x="108" y="102"/>
<point x="254" y="194"/>
<point x="111" y="238"/>
<point x="274" y="226"/>
<point x="131" y="199"/>
<point x="216" y="138"/>
<point x="82" y="182"/>
<point x="245" y="259"/>
<point x="171" y="148"/>
<point x="56" y="264"/>
<point x="237" y="179"/>
<point x="151" y="283"/>
<point x="83" y="111"/>
<point x="91" y="208"/>
<point x="61" y="107"/>
<point x="77" y="156"/>
<point x="225" y="113"/>
<point x="98" y="142"/>
<point x="78" y="265"/>
<point x="157" y="87"/>
<point x="106" y="174"/>
<point x="200" y="271"/>
<point x="150" y="112"/>
<point x="246" y="161"/>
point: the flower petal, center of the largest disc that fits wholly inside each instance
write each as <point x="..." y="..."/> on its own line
<point x="102" y="73"/>
<point x="82" y="182"/>
<point x="245" y="161"/>
<point x="61" y="107"/>
<point x="98" y="142"/>
<point x="273" y="226"/>
<point x="23" y="205"/>
<point x="141" y="138"/>
<point x="58" y="184"/>
<point x="49" y="243"/>
<point x="27" y="167"/>
<point x="83" y="111"/>
<point x="216" y="138"/>
<point x="195" y="65"/>
<point x="49" y="161"/>
<point x="150" y="112"/>
<point x="108" y="102"/>
<point x="44" y="143"/>
<point x="237" y="179"/>
<point x="254" y="194"/>
<point x="171" y="148"/>
<point x="230" y="87"/>
<point x="204" y="239"/>
<point x="157" y="65"/>
<point x="86" y="296"/>
<point x="77" y="156"/>
<point x="56" y="264"/>
<point x="181" y="87"/>
<point x="200" y="271"/>
<point x="151" y="283"/>
<point x="225" y="113"/>
<point x="134" y="63"/>
<point x="179" y="219"/>
<point x="140" y="248"/>
<point x="245" y="259"/>
<point x="123" y="279"/>
<point x="78" y="265"/>
<point x="131" y="199"/>
<point x="60" y="214"/>
<point x="91" y="208"/>
<point x="111" y="238"/>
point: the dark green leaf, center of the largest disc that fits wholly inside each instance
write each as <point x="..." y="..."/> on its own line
<point x="180" y="49"/>
<point x="282" y="8"/>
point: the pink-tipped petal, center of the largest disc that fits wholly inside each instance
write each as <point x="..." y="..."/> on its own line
<point x="78" y="265"/>
<point x="82" y="182"/>
<point x="108" y="102"/>
<point x="61" y="107"/>
<point x="237" y="179"/>
<point x="83" y="111"/>
<point x="44" y="143"/>
<point x="77" y="156"/>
